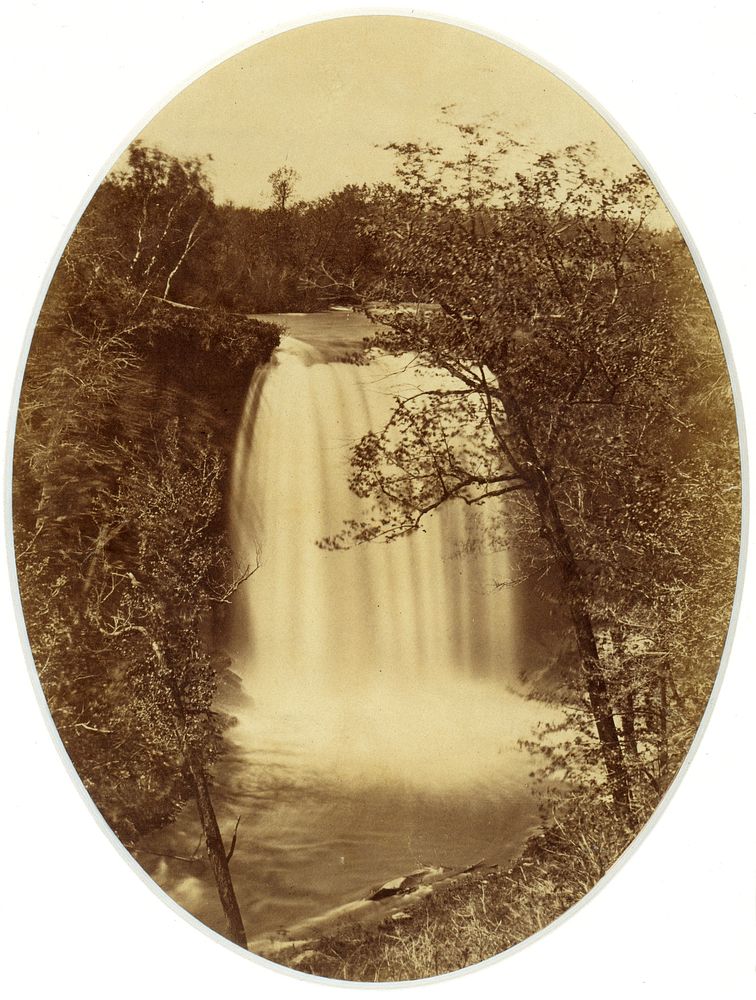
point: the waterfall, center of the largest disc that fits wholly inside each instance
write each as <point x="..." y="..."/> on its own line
<point x="384" y="662"/>
<point x="381" y="709"/>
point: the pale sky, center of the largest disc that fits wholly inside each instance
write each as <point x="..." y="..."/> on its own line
<point x="322" y="97"/>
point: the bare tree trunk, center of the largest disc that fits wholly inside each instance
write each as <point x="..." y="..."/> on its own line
<point x="190" y="241"/>
<point x="598" y="696"/>
<point x="628" y="724"/>
<point x="663" y="710"/>
<point x="216" y="852"/>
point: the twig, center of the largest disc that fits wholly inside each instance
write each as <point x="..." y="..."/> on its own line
<point x="233" y="841"/>
<point x="173" y="857"/>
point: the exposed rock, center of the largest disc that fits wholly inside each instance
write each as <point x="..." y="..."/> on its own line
<point x="406" y="883"/>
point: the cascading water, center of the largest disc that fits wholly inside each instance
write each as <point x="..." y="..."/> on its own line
<point x="383" y="707"/>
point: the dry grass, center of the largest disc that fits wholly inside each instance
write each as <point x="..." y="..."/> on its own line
<point x="465" y="923"/>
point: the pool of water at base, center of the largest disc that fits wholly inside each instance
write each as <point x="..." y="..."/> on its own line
<point x="307" y="843"/>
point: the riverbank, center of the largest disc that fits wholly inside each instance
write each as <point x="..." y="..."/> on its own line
<point x="477" y="914"/>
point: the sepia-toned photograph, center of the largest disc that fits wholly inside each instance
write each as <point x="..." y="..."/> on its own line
<point x="377" y="499"/>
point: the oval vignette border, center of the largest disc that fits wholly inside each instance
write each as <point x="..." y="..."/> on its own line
<point x="485" y="30"/>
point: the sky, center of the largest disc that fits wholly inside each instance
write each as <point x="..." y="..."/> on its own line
<point x="327" y="97"/>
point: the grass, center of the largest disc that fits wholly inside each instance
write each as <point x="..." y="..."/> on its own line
<point x="481" y="915"/>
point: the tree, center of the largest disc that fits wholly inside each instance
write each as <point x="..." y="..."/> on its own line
<point x="557" y="312"/>
<point x="154" y="601"/>
<point x="160" y="205"/>
<point x="283" y="182"/>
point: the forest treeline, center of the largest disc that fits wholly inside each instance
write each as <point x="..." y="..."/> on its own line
<point x="291" y="255"/>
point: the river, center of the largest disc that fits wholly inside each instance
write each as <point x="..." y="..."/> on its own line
<point x="380" y="701"/>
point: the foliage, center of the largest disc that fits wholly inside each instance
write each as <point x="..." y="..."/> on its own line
<point x="156" y="224"/>
<point x="158" y="209"/>
<point x="282" y="182"/>
<point x="582" y="380"/>
<point x="118" y="507"/>
<point x="299" y="258"/>
<point x="569" y="375"/>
